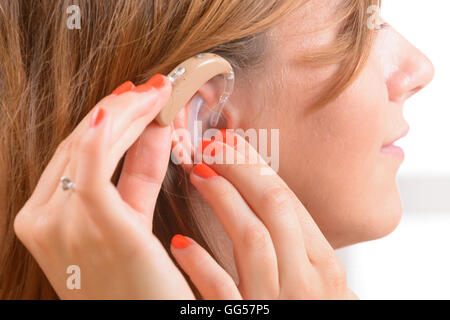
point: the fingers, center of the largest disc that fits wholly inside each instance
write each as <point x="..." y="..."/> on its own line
<point x="98" y="150"/>
<point x="130" y="114"/>
<point x="92" y="150"/>
<point x="272" y="201"/>
<point x="254" y="253"/>
<point x="125" y="109"/>
<point x="129" y="129"/>
<point x="90" y="185"/>
<point x="144" y="169"/>
<point x="49" y="179"/>
<point x="317" y="246"/>
<point x="211" y="280"/>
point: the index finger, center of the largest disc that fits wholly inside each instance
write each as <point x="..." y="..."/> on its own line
<point x="115" y="105"/>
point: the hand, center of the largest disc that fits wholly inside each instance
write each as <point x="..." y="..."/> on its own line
<point x="106" y="231"/>
<point x="279" y="251"/>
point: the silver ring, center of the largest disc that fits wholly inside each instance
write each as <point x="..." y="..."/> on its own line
<point x="66" y="183"/>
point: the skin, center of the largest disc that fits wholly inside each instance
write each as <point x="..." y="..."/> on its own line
<point x="86" y="227"/>
<point x="284" y="227"/>
<point x="351" y="192"/>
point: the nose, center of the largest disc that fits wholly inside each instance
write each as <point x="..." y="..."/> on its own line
<point x="414" y="72"/>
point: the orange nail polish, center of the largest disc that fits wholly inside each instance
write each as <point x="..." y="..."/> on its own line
<point x="212" y="150"/>
<point x="206" y="143"/>
<point x="180" y="242"/>
<point x="204" y="171"/>
<point x="124" y="87"/>
<point x="157" y="81"/>
<point x="97" y="117"/>
<point x="224" y="133"/>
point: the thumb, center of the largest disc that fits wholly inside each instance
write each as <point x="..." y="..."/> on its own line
<point x="144" y="169"/>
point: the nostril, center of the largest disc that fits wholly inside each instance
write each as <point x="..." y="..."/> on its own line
<point x="414" y="91"/>
<point x="410" y="79"/>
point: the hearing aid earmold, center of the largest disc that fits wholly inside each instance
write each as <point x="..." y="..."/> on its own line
<point x="188" y="77"/>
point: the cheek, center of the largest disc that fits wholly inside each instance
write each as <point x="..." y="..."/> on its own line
<point x="332" y="160"/>
<point x="349" y="131"/>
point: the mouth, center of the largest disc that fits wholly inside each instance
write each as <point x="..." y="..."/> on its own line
<point x="391" y="149"/>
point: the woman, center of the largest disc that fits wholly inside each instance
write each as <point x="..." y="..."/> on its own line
<point x="333" y="81"/>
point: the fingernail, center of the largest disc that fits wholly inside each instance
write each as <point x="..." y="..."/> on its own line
<point x="204" y="171"/>
<point x="157" y="82"/>
<point x="217" y="147"/>
<point x="224" y="134"/>
<point x="180" y="242"/>
<point x="205" y="144"/>
<point x="124" y="87"/>
<point x="97" y="117"/>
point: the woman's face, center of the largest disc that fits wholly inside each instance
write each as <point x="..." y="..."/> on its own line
<point x="333" y="158"/>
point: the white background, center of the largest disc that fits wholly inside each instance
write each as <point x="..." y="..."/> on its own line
<point x="414" y="261"/>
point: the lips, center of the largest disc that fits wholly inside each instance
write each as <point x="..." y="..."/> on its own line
<point x="393" y="150"/>
<point x="402" y="134"/>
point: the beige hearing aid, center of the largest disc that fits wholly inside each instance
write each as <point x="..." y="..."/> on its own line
<point x="188" y="77"/>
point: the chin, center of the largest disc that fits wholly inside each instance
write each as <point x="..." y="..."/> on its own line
<point x="385" y="216"/>
<point x="369" y="223"/>
<point x="385" y="212"/>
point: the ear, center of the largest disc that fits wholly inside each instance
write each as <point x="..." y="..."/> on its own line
<point x="201" y="108"/>
<point x="197" y="112"/>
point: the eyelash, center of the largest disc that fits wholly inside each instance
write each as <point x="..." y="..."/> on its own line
<point x="384" y="25"/>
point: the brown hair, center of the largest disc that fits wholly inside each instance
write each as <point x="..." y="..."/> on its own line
<point x="52" y="76"/>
